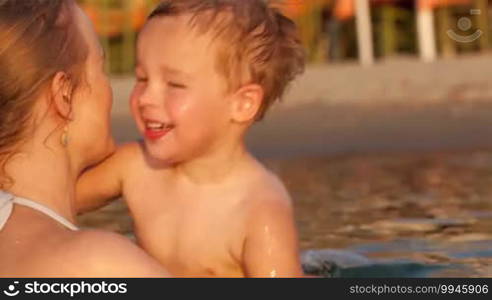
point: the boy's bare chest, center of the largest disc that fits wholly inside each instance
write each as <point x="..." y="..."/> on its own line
<point x="192" y="234"/>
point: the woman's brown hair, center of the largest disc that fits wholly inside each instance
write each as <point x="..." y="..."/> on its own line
<point x="38" y="39"/>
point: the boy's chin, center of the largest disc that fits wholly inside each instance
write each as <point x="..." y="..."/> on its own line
<point x="160" y="155"/>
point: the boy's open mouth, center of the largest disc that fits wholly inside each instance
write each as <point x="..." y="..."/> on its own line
<point x="155" y="130"/>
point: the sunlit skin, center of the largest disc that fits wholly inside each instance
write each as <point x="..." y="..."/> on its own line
<point x="31" y="243"/>
<point x="201" y="204"/>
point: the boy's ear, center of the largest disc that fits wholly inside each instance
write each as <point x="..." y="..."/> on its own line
<point x="247" y="102"/>
<point x="61" y="95"/>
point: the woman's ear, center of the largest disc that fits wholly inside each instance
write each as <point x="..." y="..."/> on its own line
<point x="246" y="103"/>
<point x="61" y="94"/>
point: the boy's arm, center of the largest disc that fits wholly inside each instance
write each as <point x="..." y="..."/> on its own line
<point x="99" y="185"/>
<point x="271" y="245"/>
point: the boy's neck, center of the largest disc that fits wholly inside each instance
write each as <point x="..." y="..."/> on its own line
<point x="215" y="166"/>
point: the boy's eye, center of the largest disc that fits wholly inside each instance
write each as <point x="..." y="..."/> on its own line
<point x="176" y="85"/>
<point x="141" y="79"/>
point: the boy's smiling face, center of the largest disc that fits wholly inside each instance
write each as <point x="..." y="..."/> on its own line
<point x="180" y="100"/>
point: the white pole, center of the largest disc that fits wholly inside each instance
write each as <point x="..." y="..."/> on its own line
<point x="364" y="32"/>
<point x="426" y="33"/>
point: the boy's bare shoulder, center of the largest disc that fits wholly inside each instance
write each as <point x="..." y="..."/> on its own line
<point x="264" y="203"/>
<point x="95" y="253"/>
<point x="130" y="151"/>
<point x="266" y="193"/>
<point x="134" y="155"/>
<point x="131" y="155"/>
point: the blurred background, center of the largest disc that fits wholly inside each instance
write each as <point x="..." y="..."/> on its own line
<point x="385" y="143"/>
<point x="332" y="30"/>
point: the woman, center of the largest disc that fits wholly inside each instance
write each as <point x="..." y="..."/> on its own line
<point x="55" y="103"/>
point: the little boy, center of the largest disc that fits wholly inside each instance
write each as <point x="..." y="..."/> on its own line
<point x="202" y="205"/>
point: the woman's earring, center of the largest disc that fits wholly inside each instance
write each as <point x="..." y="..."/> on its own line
<point x="64" y="137"/>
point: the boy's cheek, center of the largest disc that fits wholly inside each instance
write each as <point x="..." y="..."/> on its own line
<point x="135" y="112"/>
<point x="191" y="107"/>
<point x="136" y="94"/>
<point x="180" y="109"/>
<point x="134" y="101"/>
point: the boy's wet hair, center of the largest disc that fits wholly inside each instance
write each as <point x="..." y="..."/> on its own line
<point x="258" y="44"/>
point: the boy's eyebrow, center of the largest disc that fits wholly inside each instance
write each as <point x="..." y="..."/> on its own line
<point x="167" y="69"/>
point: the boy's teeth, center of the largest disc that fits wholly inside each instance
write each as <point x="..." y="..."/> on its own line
<point x="155" y="125"/>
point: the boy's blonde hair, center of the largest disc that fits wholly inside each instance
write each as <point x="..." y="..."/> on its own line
<point x="258" y="44"/>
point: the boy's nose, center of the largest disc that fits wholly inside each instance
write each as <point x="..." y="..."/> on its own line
<point x="148" y="98"/>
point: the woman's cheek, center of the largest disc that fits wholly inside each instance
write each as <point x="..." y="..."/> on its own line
<point x="109" y="93"/>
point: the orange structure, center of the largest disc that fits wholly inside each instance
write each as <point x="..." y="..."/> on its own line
<point x="298" y="8"/>
<point x="113" y="21"/>
<point x="345" y="9"/>
<point x="431" y="4"/>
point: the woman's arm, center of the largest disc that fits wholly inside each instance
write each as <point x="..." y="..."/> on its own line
<point x="94" y="253"/>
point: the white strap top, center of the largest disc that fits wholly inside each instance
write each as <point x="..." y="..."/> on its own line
<point x="7" y="202"/>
